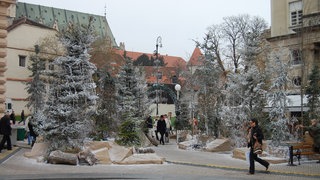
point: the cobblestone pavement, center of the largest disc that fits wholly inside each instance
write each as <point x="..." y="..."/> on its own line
<point x="180" y="164"/>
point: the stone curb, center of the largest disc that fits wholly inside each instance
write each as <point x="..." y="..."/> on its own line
<point x="245" y="169"/>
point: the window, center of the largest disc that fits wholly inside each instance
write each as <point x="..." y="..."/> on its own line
<point x="296" y="81"/>
<point x="296" y="57"/>
<point x="50" y="66"/>
<point x="295" y="13"/>
<point x="22" y="61"/>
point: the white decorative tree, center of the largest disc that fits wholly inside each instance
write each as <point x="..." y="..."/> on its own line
<point x="133" y="103"/>
<point x="245" y="92"/>
<point x="71" y="98"/>
<point x="277" y="98"/>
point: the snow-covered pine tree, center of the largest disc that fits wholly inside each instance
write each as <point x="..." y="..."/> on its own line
<point x="210" y="81"/>
<point x="313" y="93"/>
<point x="143" y="102"/>
<point x="133" y="103"/>
<point x="126" y="89"/>
<point x="36" y="87"/>
<point x="105" y="120"/>
<point x="241" y="37"/>
<point x="277" y="98"/>
<point x="245" y="92"/>
<point x="71" y="98"/>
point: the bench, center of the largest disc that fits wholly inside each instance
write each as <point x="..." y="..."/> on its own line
<point x="304" y="148"/>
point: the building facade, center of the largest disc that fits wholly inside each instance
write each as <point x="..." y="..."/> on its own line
<point x="5" y="13"/>
<point x="295" y="28"/>
<point x="19" y="49"/>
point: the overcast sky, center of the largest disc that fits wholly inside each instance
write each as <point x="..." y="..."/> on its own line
<point x="138" y="23"/>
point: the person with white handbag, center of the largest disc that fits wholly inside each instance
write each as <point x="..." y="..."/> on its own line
<point x="255" y="145"/>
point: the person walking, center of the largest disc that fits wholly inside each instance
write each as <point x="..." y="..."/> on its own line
<point x="161" y="128"/>
<point x="13" y="117"/>
<point x="26" y="128"/>
<point x="168" y="128"/>
<point x="314" y="131"/>
<point x="255" y="134"/>
<point x="156" y="127"/>
<point x="22" y="118"/>
<point x="33" y="134"/>
<point x="5" y="131"/>
<point x="149" y="125"/>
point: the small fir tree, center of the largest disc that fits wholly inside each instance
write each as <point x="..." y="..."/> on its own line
<point x="132" y="101"/>
<point x="36" y="87"/>
<point x="105" y="120"/>
<point x="313" y="93"/>
<point x="277" y="99"/>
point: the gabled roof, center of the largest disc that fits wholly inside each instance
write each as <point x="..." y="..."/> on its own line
<point x="195" y="59"/>
<point x="170" y="61"/>
<point x="24" y="20"/>
<point x="168" y="71"/>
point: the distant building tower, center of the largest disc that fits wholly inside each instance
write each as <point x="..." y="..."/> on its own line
<point x="122" y="46"/>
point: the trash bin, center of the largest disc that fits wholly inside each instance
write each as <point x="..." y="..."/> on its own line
<point x="20" y="134"/>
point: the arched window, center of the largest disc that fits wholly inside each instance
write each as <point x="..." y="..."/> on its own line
<point x="296" y="81"/>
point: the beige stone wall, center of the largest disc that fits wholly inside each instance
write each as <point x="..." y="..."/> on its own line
<point x="308" y="57"/>
<point x="163" y="109"/>
<point x="280" y="16"/>
<point x="4" y="6"/>
<point x="303" y="38"/>
<point x="20" y="44"/>
<point x="310" y="6"/>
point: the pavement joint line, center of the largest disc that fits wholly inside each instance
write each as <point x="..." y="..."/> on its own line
<point x="9" y="155"/>
<point x="245" y="169"/>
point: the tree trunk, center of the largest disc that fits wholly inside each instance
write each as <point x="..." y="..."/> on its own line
<point x="151" y="139"/>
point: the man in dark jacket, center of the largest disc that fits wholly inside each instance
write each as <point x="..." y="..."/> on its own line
<point x="6" y="131"/>
<point x="255" y="134"/>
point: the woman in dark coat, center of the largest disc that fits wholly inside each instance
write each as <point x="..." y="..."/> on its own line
<point x="255" y="134"/>
<point x="161" y="127"/>
<point x="5" y="131"/>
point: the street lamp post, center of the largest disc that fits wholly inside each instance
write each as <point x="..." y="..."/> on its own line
<point x="177" y="87"/>
<point x="157" y="62"/>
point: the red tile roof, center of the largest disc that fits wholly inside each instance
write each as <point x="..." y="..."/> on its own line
<point x="170" y="61"/>
<point x="195" y="59"/>
<point x="168" y="71"/>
